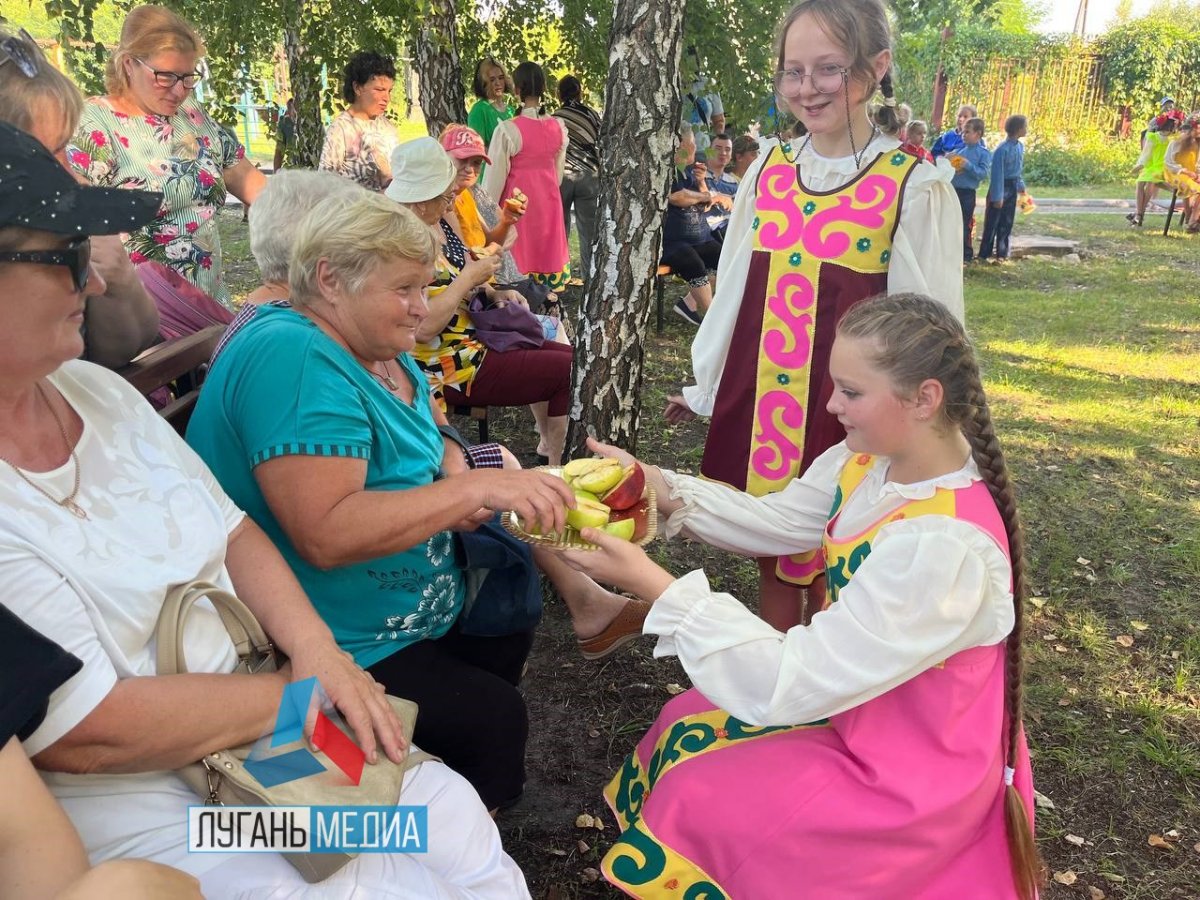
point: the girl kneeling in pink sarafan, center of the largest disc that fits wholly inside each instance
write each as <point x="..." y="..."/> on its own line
<point x="878" y="751"/>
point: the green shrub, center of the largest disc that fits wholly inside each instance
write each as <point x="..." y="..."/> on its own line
<point x="1086" y="157"/>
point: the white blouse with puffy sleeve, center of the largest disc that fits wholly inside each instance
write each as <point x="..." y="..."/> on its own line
<point x="932" y="586"/>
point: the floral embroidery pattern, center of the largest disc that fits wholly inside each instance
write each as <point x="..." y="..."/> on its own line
<point x="438" y="548"/>
<point x="183" y="156"/>
<point x="437" y="608"/>
<point x="405" y="580"/>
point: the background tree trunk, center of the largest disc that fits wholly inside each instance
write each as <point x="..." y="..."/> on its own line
<point x="637" y="146"/>
<point x="439" y="72"/>
<point x="304" y="78"/>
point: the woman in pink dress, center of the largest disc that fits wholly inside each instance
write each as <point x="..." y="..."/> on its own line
<point x="878" y="751"/>
<point x="528" y="153"/>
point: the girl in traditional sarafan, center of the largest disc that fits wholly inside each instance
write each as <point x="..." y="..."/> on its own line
<point x="820" y="223"/>
<point x="877" y="752"/>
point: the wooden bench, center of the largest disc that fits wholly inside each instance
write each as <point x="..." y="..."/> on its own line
<point x="479" y="414"/>
<point x="182" y="364"/>
<point x="1171" y="212"/>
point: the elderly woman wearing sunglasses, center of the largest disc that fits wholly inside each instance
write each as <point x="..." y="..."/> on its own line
<point x="39" y="99"/>
<point x="105" y="511"/>
<point x="150" y="133"/>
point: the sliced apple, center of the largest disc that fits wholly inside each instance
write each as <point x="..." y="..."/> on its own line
<point x="577" y="467"/>
<point x="600" y="478"/>
<point x="628" y="490"/>
<point x="581" y="494"/>
<point x="623" y="529"/>
<point x="588" y="514"/>
<point x="638" y="514"/>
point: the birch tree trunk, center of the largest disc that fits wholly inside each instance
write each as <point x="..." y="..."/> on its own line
<point x="304" y="77"/>
<point x="439" y="72"/>
<point x="637" y="146"/>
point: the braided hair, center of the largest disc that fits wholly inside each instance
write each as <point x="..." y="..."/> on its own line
<point x="917" y="339"/>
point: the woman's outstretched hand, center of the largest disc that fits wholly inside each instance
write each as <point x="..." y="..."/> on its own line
<point x="536" y="497"/>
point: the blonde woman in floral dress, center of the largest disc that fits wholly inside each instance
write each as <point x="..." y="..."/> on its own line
<point x="150" y="133"/>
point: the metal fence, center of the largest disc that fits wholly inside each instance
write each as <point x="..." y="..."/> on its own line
<point x="1058" y="95"/>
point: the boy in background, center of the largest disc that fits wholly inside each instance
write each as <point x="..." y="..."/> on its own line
<point x="948" y="140"/>
<point x="1008" y="165"/>
<point x="971" y="164"/>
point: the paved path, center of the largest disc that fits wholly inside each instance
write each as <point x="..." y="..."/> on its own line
<point x="1091" y="206"/>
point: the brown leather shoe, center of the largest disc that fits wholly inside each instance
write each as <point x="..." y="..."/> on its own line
<point x="626" y="627"/>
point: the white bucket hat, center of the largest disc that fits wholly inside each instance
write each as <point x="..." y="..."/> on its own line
<point x="421" y="170"/>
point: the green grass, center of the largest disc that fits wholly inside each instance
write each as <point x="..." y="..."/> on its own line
<point x="1118" y="190"/>
<point x="1093" y="371"/>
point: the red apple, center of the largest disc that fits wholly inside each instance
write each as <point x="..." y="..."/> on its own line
<point x="640" y="513"/>
<point x="628" y="491"/>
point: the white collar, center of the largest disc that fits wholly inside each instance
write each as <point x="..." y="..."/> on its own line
<point x="879" y="487"/>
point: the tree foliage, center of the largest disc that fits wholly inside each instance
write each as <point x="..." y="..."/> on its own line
<point x="1148" y="57"/>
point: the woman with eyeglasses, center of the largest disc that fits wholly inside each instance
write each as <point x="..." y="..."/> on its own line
<point x="821" y="222"/>
<point x="150" y="133"/>
<point x="43" y="102"/>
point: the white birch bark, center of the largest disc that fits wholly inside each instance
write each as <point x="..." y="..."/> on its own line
<point x="637" y="145"/>
<point x="439" y="71"/>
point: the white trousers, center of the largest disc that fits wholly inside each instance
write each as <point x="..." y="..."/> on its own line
<point x="465" y="860"/>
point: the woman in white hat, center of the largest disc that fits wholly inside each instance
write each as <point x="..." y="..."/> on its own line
<point x="462" y="371"/>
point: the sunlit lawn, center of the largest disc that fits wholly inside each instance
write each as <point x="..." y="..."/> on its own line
<point x="1093" y="369"/>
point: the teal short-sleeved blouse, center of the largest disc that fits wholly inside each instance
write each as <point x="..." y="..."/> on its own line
<point x="283" y="387"/>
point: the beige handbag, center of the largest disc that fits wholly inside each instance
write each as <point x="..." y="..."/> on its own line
<point x="221" y="778"/>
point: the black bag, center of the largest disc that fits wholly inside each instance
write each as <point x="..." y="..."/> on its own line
<point x="504" y="589"/>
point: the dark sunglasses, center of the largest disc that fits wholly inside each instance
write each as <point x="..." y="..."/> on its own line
<point x="76" y="256"/>
<point x="20" y="49"/>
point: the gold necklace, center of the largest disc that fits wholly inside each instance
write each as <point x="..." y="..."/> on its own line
<point x="68" y="502"/>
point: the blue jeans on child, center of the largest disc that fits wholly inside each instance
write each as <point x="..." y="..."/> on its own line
<point x="998" y="224"/>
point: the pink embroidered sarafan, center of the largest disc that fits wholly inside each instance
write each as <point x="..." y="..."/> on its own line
<point x="816" y="254"/>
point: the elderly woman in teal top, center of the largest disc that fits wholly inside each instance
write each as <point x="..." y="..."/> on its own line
<point x="320" y="426"/>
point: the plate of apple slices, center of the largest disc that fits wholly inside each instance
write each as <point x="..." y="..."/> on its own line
<point x="608" y="496"/>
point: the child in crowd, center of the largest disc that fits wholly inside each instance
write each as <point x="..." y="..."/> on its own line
<point x="800" y="251"/>
<point x="971" y="162"/>
<point x="951" y="140"/>
<point x="914" y="141"/>
<point x="903" y="117"/>
<point x="878" y="751"/>
<point x="1008" y="166"/>
<point x="1149" y="166"/>
<point x="1182" y="175"/>
<point x="688" y="245"/>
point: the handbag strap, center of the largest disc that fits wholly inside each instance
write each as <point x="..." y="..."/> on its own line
<point x="253" y="647"/>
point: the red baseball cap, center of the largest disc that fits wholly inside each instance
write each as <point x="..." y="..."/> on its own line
<point x="462" y="142"/>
